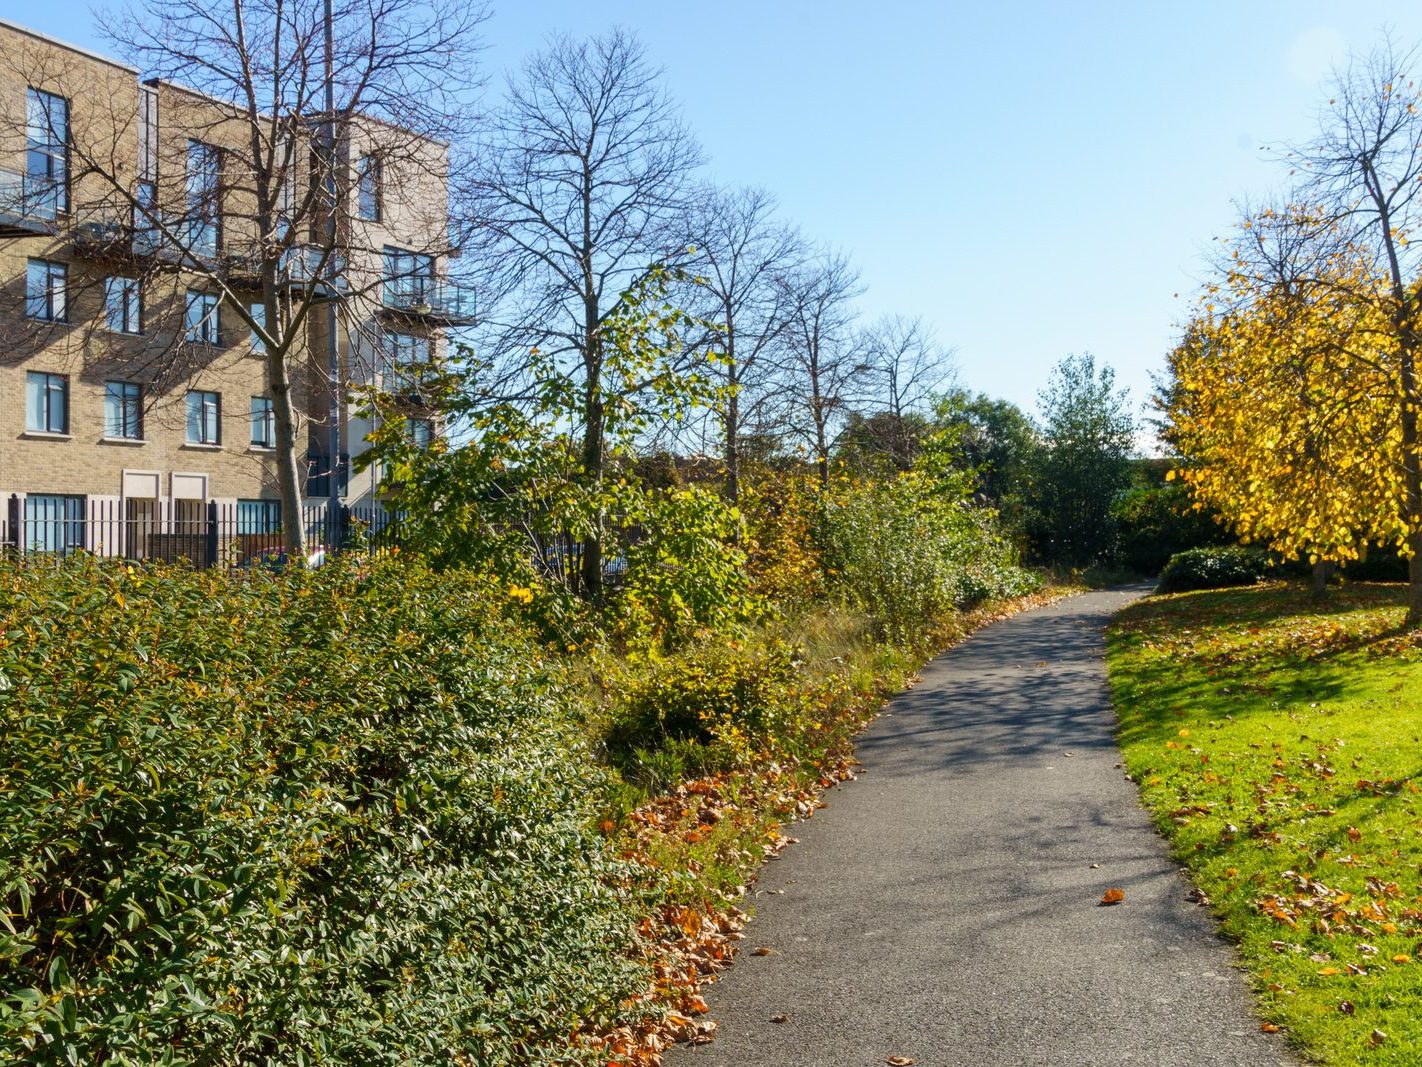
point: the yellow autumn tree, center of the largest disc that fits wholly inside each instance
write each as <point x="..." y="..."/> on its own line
<point x="1328" y="295"/>
<point x="1284" y="395"/>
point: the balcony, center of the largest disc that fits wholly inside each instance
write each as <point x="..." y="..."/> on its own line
<point x="298" y="270"/>
<point x="302" y="270"/>
<point x="124" y="233"/>
<point x="28" y="204"/>
<point x="437" y="302"/>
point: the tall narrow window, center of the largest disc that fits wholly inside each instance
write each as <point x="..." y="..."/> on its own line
<point x="409" y="357"/>
<point x="147" y="237"/>
<point x="409" y="277"/>
<point x="46" y="283"/>
<point x="201" y="318"/>
<point x="123" y="304"/>
<point x="123" y="411"/>
<point x="47" y="154"/>
<point x="204" y="411"/>
<point x="420" y="431"/>
<point x="46" y="402"/>
<point x="368" y="188"/>
<point x="203" y="216"/>
<point x="263" y="422"/>
<point x="258" y="311"/>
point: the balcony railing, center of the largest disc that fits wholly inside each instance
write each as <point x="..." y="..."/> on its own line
<point x="301" y="268"/>
<point x="436" y="300"/>
<point x="170" y="236"/>
<point x="28" y="203"/>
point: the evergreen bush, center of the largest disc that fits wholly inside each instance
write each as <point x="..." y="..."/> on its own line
<point x="313" y="817"/>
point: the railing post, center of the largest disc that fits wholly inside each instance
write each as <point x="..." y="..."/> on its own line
<point x="211" y="552"/>
<point x="16" y="530"/>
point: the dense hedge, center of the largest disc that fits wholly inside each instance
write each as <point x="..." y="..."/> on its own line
<point x="303" y="818"/>
<point x="1213" y="568"/>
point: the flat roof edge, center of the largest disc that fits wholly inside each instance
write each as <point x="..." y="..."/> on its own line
<point x="37" y="35"/>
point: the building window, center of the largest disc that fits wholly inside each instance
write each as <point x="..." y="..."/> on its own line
<point x="202" y="318"/>
<point x="420" y="431"/>
<point x="263" y="422"/>
<point x="46" y="283"/>
<point x="123" y="411"/>
<point x="123" y="305"/>
<point x="147" y="238"/>
<point x="47" y="154"/>
<point x="203" y="187"/>
<point x="46" y="402"/>
<point x="410" y="357"/>
<point x="368" y="188"/>
<point x="54" y="523"/>
<point x="258" y="516"/>
<point x="258" y="312"/>
<point x="409" y="277"/>
<point x="204" y="418"/>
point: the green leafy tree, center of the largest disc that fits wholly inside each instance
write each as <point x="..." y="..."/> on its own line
<point x="1157" y="518"/>
<point x="1084" y="462"/>
<point x="515" y="497"/>
<point x="997" y="442"/>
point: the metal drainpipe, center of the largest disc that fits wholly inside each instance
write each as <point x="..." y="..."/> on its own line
<point x="333" y="356"/>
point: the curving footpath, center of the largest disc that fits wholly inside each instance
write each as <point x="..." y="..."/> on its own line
<point x="944" y="908"/>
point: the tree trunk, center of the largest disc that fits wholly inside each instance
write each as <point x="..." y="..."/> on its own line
<point x="594" y="454"/>
<point x="733" y="430"/>
<point x="1322" y="572"/>
<point x="1411" y="470"/>
<point x="293" y="529"/>
<point x="1414" y="580"/>
<point x="822" y="456"/>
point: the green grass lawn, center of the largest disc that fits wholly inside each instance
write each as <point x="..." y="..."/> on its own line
<point x="1278" y="744"/>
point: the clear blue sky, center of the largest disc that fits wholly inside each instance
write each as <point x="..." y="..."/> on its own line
<point x="1032" y="178"/>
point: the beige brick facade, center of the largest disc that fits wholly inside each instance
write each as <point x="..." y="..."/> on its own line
<point x="154" y="459"/>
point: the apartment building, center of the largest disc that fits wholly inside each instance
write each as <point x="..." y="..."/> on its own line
<point x="136" y="395"/>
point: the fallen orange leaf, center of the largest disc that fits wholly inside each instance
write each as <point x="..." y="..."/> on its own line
<point x="1113" y="896"/>
<point x="900" y="1061"/>
<point x="1269" y="1028"/>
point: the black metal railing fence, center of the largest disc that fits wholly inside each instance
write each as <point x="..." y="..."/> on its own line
<point x="205" y="534"/>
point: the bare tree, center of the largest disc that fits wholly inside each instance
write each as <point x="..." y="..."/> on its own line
<point x="263" y="170"/>
<point x="741" y="253"/>
<point x="823" y="362"/>
<point x="908" y="364"/>
<point x="575" y="195"/>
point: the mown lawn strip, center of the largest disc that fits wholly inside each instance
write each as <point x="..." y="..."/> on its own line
<point x="1276" y="743"/>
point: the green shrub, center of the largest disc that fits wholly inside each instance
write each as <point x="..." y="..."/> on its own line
<point x="1157" y="521"/>
<point x="327" y="817"/>
<point x="910" y="552"/>
<point x="717" y="694"/>
<point x="685" y="573"/>
<point x="1213" y="568"/>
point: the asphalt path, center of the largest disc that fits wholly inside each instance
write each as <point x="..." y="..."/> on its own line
<point x="944" y="907"/>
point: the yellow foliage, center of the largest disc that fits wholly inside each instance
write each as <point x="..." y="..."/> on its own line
<point x="1287" y="401"/>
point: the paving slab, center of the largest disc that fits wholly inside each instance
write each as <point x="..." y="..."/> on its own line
<point x="944" y="907"/>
